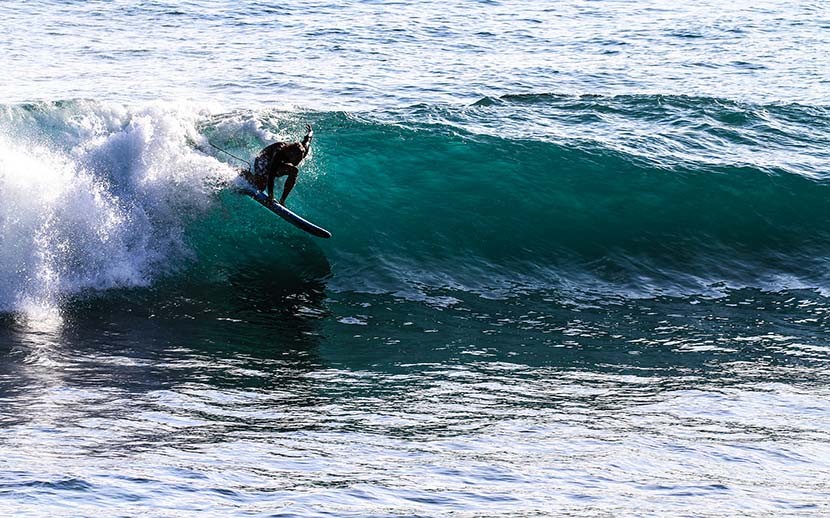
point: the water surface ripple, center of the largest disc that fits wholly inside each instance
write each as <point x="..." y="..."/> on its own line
<point x="579" y="264"/>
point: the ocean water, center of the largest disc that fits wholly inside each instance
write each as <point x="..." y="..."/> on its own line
<point x="580" y="262"/>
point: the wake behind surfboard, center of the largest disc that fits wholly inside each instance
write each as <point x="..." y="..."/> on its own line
<point x="289" y="216"/>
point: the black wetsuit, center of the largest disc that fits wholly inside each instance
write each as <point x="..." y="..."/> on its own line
<point x="280" y="159"/>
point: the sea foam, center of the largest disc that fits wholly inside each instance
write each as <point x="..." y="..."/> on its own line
<point x="95" y="196"/>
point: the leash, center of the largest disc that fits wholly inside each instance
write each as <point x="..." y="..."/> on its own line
<point x="250" y="165"/>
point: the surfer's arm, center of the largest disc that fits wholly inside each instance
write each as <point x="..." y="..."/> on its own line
<point x="307" y="140"/>
<point x="281" y="169"/>
<point x="288" y="170"/>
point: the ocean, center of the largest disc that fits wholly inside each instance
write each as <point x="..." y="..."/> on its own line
<point x="580" y="262"/>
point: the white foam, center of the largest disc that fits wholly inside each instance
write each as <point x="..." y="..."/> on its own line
<point x="96" y="196"/>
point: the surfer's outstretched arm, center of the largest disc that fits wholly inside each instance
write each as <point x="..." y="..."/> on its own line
<point x="307" y="140"/>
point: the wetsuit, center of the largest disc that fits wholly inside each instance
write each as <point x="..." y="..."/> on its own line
<point x="280" y="159"/>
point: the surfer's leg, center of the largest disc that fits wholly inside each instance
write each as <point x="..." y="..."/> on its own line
<point x="259" y="176"/>
<point x="271" y="176"/>
<point x="289" y="184"/>
<point x="291" y="171"/>
<point x="274" y="170"/>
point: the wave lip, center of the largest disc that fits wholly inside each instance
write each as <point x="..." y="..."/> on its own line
<point x="671" y="130"/>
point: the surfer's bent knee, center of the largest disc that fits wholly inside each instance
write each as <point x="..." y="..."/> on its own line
<point x="287" y="170"/>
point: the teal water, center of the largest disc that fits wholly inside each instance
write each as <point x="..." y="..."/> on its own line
<point x="579" y="262"/>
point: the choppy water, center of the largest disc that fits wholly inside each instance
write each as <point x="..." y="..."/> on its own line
<point x="579" y="264"/>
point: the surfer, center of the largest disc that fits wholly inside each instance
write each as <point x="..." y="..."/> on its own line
<point x="281" y="159"/>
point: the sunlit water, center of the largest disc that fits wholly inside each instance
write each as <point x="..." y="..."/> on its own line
<point x="379" y="54"/>
<point x="579" y="264"/>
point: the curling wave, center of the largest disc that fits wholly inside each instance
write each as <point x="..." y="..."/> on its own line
<point x="625" y="195"/>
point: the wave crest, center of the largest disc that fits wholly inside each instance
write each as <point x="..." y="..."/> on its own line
<point x="478" y="198"/>
<point x="95" y="196"/>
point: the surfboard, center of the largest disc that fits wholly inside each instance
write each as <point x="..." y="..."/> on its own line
<point x="289" y="216"/>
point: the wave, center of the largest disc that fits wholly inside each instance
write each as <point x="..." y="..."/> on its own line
<point x="441" y="206"/>
<point x="626" y="196"/>
<point x="94" y="196"/>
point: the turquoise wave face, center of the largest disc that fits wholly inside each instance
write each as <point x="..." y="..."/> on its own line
<point x="481" y="199"/>
<point x="617" y="195"/>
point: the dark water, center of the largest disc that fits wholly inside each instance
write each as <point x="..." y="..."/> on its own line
<point x="281" y="400"/>
<point x="579" y="264"/>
